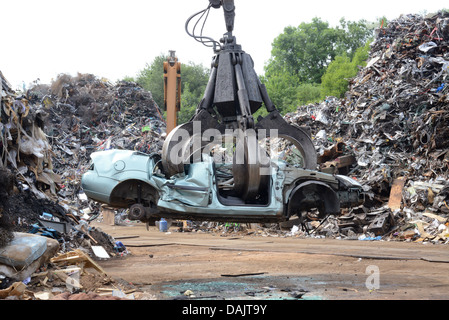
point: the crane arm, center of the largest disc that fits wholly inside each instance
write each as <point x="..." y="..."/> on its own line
<point x="229" y="11"/>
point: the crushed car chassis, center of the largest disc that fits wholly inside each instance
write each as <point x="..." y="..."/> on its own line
<point x="134" y="180"/>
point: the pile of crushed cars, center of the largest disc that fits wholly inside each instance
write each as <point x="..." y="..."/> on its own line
<point x="391" y="132"/>
<point x="47" y="136"/>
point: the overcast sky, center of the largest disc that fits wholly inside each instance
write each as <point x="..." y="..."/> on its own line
<point x="114" y="39"/>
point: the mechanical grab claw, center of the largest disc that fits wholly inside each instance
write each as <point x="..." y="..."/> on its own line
<point x="233" y="94"/>
<point x="216" y="166"/>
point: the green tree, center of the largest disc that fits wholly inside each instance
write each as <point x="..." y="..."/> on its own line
<point x="303" y="51"/>
<point x="282" y="90"/>
<point x="129" y="79"/>
<point x="287" y="93"/>
<point x="306" y="51"/>
<point x="151" y="78"/>
<point x="336" y="79"/>
<point x="353" y="35"/>
<point x="308" y="93"/>
<point x="301" y="56"/>
<point x="189" y="102"/>
<point x="361" y="55"/>
<point x="194" y="79"/>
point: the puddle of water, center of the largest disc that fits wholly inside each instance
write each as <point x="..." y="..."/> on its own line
<point x="241" y="288"/>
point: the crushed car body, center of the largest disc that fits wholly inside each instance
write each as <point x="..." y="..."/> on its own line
<point x="134" y="180"/>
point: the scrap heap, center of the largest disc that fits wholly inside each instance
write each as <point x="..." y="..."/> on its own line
<point x="84" y="114"/>
<point x="394" y="122"/>
<point x="47" y="136"/>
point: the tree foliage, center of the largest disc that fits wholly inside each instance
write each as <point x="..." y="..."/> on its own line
<point x="303" y="57"/>
<point x="151" y="78"/>
<point x="287" y="92"/>
<point x="189" y="102"/>
<point x="307" y="50"/>
<point x="336" y="79"/>
<point x="303" y="51"/>
<point x="354" y="35"/>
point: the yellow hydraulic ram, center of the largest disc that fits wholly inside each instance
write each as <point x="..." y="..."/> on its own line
<point x="172" y="90"/>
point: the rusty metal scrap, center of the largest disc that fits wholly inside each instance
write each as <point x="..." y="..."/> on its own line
<point x="394" y="118"/>
<point x="47" y="136"/>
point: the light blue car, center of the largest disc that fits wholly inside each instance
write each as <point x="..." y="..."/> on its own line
<point x="203" y="192"/>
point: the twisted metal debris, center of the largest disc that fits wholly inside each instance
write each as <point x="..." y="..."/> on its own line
<point x="394" y="120"/>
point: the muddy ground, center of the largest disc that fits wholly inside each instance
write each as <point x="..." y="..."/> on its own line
<point x="214" y="266"/>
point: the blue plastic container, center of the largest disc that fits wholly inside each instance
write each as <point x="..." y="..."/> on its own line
<point x="163" y="225"/>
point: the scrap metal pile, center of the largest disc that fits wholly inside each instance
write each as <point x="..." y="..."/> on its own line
<point x="391" y="132"/>
<point x="47" y="136"/>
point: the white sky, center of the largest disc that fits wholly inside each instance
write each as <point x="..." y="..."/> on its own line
<point x="114" y="39"/>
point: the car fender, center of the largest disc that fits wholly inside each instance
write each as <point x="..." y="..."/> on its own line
<point x="130" y="191"/>
<point x="313" y="194"/>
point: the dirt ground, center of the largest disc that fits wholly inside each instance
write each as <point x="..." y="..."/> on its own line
<point x="189" y="265"/>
